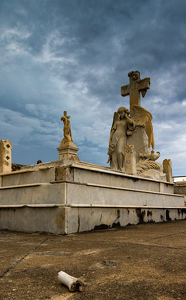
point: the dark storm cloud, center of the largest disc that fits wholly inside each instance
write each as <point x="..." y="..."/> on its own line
<point x="144" y="34"/>
<point x="75" y="55"/>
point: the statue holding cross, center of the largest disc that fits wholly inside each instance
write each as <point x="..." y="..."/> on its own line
<point x="66" y="129"/>
<point x="141" y="117"/>
<point x="67" y="149"/>
<point x="137" y="130"/>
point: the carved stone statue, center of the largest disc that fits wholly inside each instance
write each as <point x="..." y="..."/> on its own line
<point x="143" y="137"/>
<point x="131" y="144"/>
<point x="66" y="129"/>
<point x="122" y="126"/>
<point x="67" y="149"/>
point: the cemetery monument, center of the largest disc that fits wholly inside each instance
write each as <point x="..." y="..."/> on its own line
<point x="67" y="195"/>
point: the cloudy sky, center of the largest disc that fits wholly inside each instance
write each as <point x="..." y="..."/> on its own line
<point x="75" y="55"/>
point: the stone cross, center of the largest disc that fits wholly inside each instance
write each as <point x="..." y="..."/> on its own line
<point x="65" y="115"/>
<point x="135" y="86"/>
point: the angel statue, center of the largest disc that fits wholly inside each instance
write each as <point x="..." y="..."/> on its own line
<point x="122" y="126"/>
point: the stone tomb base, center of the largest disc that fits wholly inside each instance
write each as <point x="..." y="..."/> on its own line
<point x="63" y="197"/>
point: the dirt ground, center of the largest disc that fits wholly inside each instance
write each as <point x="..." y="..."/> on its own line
<point x="135" y="262"/>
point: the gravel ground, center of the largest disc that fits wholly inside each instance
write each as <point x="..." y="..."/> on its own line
<point x="135" y="262"/>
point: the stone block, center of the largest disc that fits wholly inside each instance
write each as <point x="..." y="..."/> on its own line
<point x="167" y="169"/>
<point x="130" y="160"/>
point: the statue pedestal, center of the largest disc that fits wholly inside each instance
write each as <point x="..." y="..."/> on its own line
<point x="65" y="197"/>
<point x="68" y="151"/>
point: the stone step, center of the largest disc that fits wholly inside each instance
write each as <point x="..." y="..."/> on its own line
<point x="29" y="176"/>
<point x="85" y="193"/>
<point x="36" y="193"/>
<point x="87" y="174"/>
<point x="83" y="174"/>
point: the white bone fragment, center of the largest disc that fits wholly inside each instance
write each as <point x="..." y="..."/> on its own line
<point x="74" y="284"/>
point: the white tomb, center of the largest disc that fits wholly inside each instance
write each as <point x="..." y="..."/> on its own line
<point x="65" y="197"/>
<point x="68" y="196"/>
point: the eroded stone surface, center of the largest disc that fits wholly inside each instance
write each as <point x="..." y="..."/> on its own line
<point x="64" y="173"/>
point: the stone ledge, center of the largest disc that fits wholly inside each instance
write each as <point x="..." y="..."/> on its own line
<point x="18" y="172"/>
<point x="89" y="206"/>
<point x="118" y="173"/>
<point x="32" y="205"/>
<point x="115" y="187"/>
<point x="132" y="190"/>
<point x="85" y="166"/>
<point x="123" y="206"/>
<point x="22" y="186"/>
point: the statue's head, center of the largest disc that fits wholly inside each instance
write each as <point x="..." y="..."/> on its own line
<point x="122" y="111"/>
<point x="134" y="75"/>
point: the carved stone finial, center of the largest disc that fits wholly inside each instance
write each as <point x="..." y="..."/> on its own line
<point x="5" y="156"/>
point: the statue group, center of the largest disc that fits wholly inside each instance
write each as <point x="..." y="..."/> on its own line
<point x="123" y="127"/>
<point x="132" y="131"/>
<point x="131" y="128"/>
<point x="131" y="142"/>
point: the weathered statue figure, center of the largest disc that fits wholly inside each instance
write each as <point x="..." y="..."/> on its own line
<point x="122" y="126"/>
<point x="67" y="149"/>
<point x="66" y="129"/>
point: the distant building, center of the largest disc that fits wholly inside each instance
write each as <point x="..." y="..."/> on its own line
<point x="179" y="178"/>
